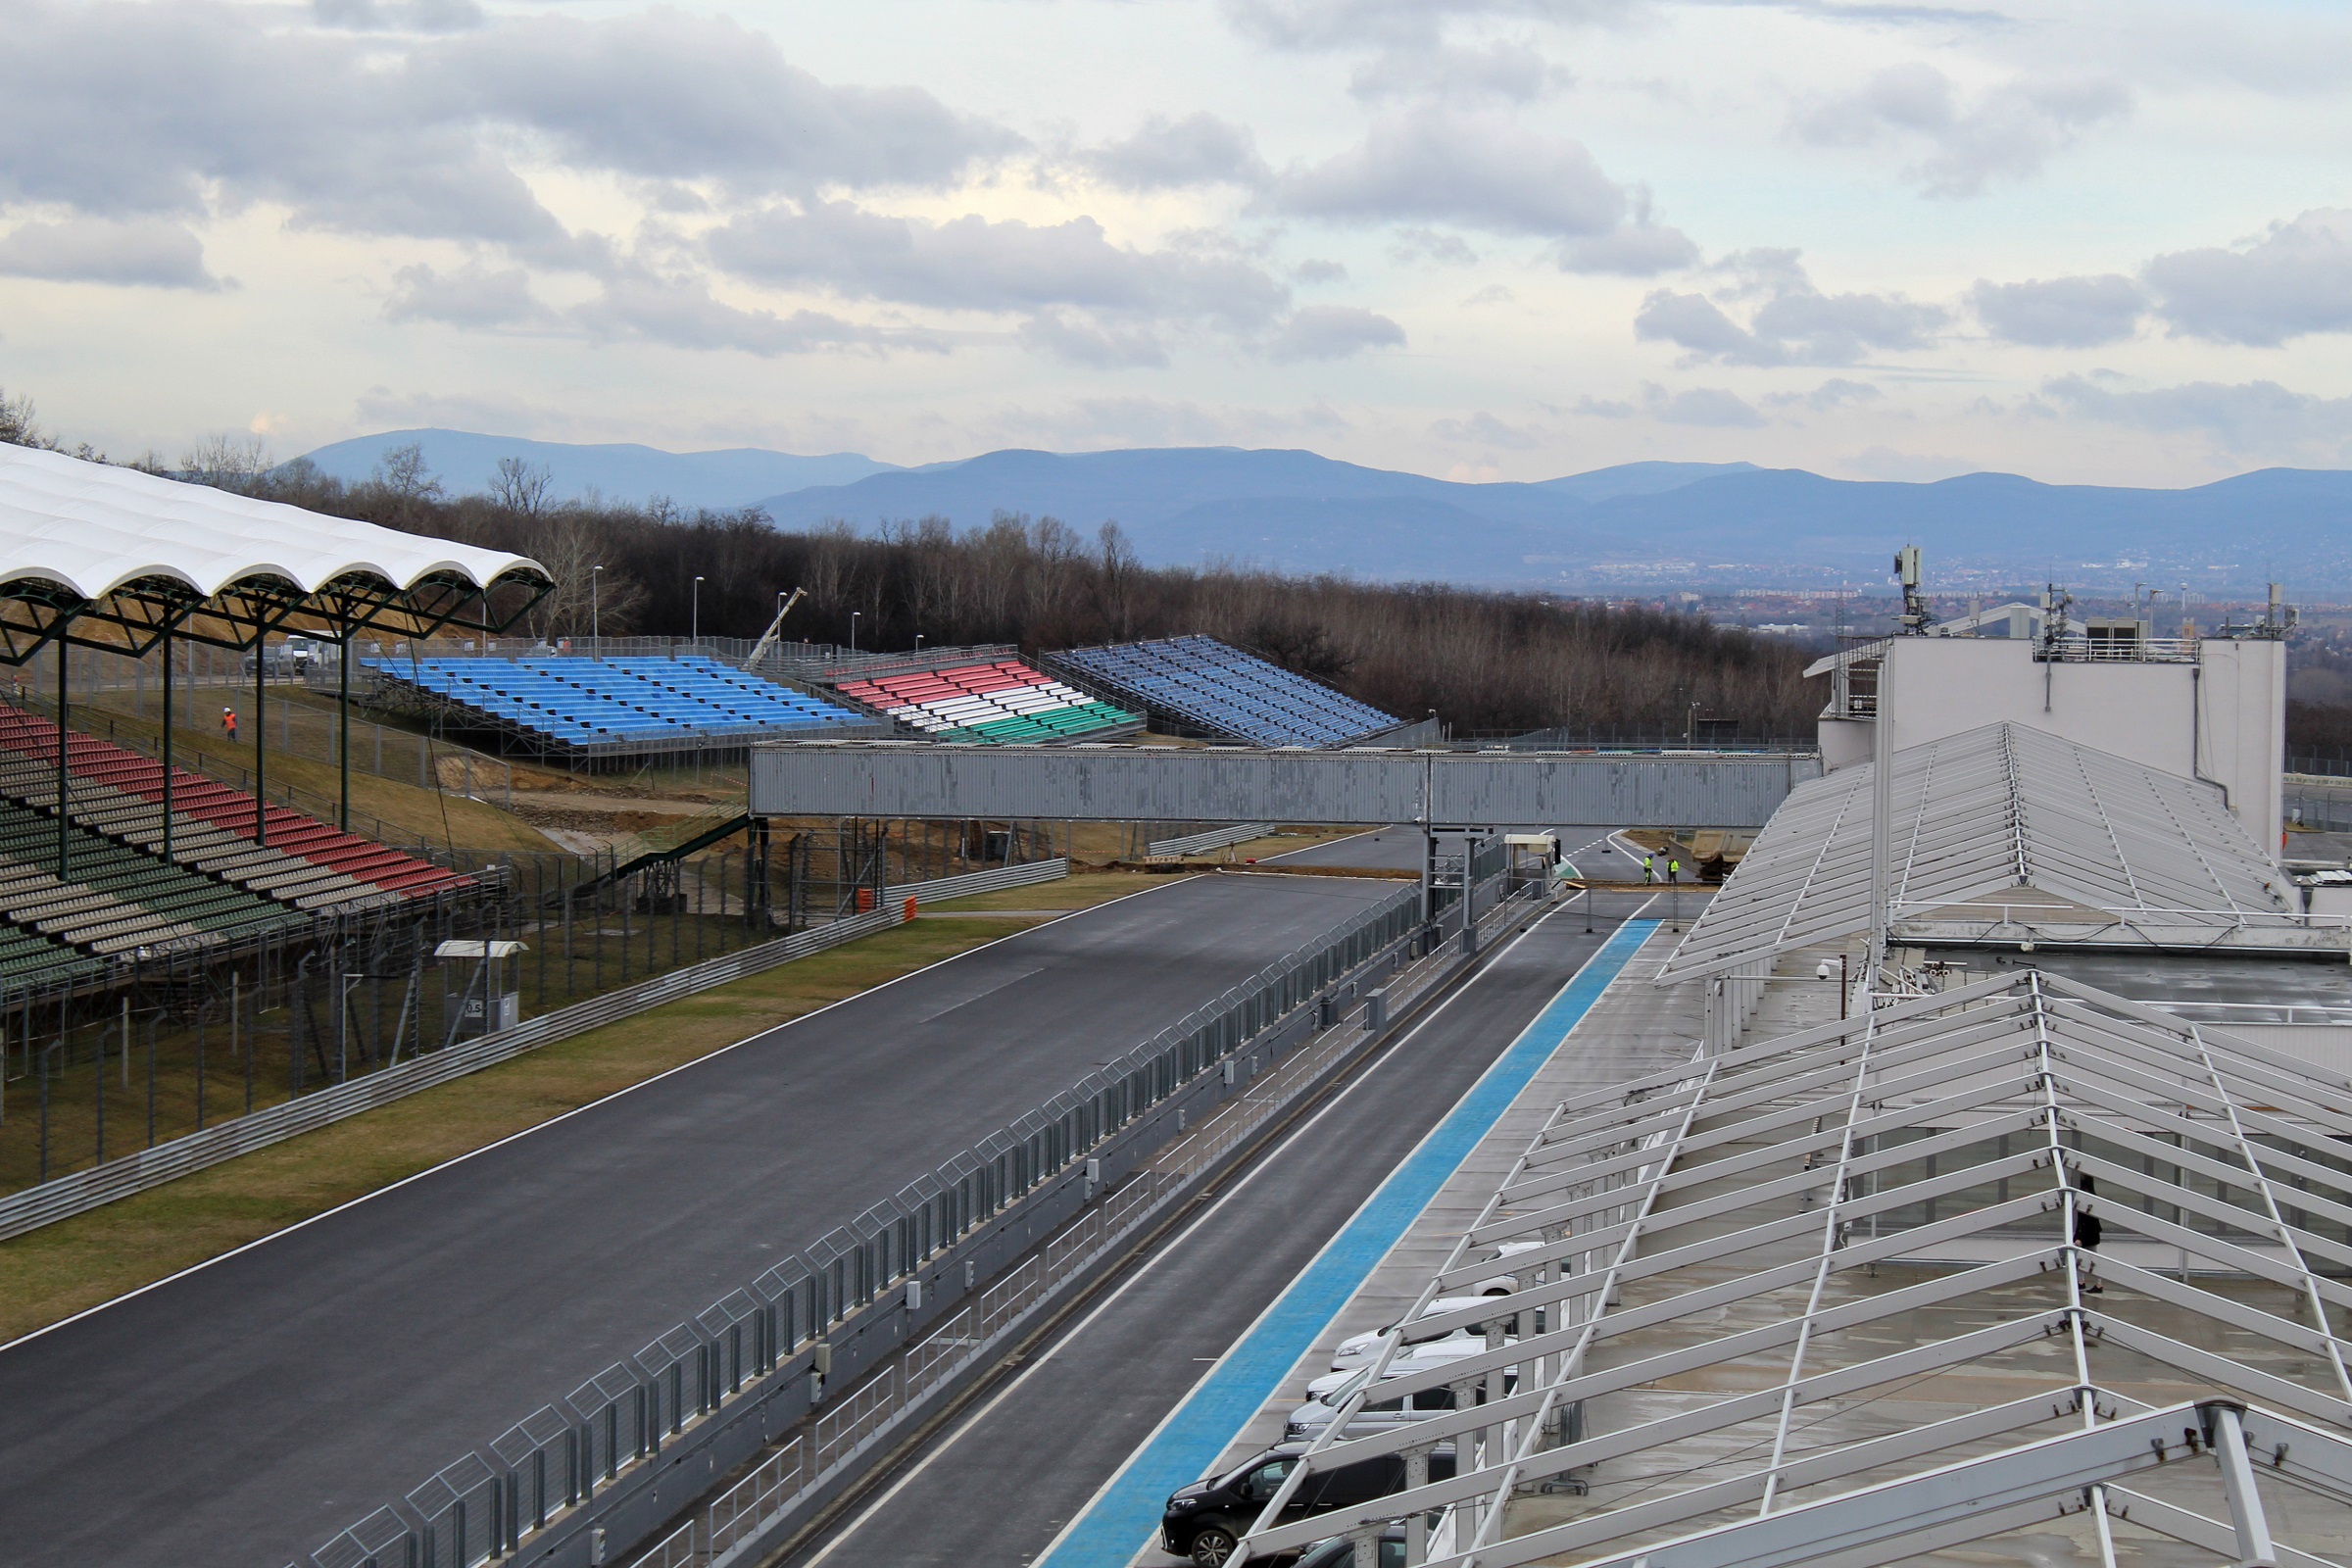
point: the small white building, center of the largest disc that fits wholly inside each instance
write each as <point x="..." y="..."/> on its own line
<point x="2204" y="708"/>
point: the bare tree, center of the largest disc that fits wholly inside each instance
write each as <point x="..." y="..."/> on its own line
<point x="521" y="487"/>
<point x="17" y="426"/>
<point x="405" y="484"/>
<point x="227" y="462"/>
<point x="1115" y="573"/>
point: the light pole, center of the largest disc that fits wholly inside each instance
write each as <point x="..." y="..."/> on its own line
<point x="696" y="625"/>
<point x="595" y="639"/>
<point x="918" y="642"/>
<point x="853" y="615"/>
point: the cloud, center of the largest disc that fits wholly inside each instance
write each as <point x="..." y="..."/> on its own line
<point x="1349" y="24"/>
<point x="1132" y="422"/>
<point x="1710" y="407"/>
<point x="1080" y="339"/>
<point x="398" y="16"/>
<point x="1514" y="71"/>
<point x="155" y="252"/>
<point x="1333" y="332"/>
<point x="2294" y="280"/>
<point x="1834" y="393"/>
<point x="684" y="313"/>
<point x="1316" y="269"/>
<point x="1413" y="244"/>
<point x="2247" y="418"/>
<point x="2007" y="132"/>
<point x="1798" y="324"/>
<point x="2061" y="313"/>
<point x="474" y="296"/>
<point x="1476" y="170"/>
<point x="192" y="109"/>
<point x="973" y="263"/>
<point x="1636" y="249"/>
<point x="1484" y="429"/>
<point x="1171" y="154"/>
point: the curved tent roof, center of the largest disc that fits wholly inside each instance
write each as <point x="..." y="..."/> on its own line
<point x="81" y="538"/>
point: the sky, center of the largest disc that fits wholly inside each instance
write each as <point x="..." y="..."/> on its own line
<point x="1481" y="239"/>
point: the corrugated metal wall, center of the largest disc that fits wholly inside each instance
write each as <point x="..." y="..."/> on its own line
<point x="1123" y="784"/>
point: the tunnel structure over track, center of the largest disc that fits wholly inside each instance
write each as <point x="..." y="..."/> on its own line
<point x="1371" y="787"/>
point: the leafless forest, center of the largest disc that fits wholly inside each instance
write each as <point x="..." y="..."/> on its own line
<point x="1483" y="661"/>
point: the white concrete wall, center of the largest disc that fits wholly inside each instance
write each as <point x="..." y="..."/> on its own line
<point x="2223" y="719"/>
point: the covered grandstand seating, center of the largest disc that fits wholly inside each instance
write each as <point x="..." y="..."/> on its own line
<point x="585" y="703"/>
<point x="118" y="793"/>
<point x="1000" y="703"/>
<point x="1200" y="684"/>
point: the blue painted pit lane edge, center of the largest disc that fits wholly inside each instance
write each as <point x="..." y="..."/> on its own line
<point x="1124" y="1516"/>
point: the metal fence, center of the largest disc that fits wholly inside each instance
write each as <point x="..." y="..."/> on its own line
<point x="743" y="1522"/>
<point x="733" y="1356"/>
<point x="1215" y="838"/>
<point x="302" y="1112"/>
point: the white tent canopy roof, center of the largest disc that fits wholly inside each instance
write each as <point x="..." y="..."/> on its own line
<point x="92" y="528"/>
<point x="2003" y="833"/>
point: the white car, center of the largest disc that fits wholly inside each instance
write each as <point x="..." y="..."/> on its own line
<point x="1327" y="1394"/>
<point x="1356" y="1351"/>
<point x="1506" y="1284"/>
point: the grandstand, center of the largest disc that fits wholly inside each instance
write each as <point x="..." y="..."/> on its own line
<point x="587" y="710"/>
<point x="1198" y="685"/>
<point x="119" y="794"/>
<point x="122" y="898"/>
<point x="1001" y="702"/>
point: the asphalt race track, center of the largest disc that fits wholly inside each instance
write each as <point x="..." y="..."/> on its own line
<point x="242" y="1413"/>
<point x="997" y="1488"/>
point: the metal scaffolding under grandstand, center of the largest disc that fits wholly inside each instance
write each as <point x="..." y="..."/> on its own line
<point x="2006" y="835"/>
<point x="1839" y="1297"/>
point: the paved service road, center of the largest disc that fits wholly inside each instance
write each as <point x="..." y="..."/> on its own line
<point x="243" y="1413"/>
<point x="999" y="1488"/>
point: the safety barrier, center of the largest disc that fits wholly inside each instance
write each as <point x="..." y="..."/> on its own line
<point x="718" y="1388"/>
<point x="53" y="1201"/>
<point x="1217" y="838"/>
<point x="748" y="1519"/>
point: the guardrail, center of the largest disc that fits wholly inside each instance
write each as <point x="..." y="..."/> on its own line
<point x="35" y="1207"/>
<point x="582" y="1479"/>
<point x="746" y="1520"/>
<point x="1217" y="838"/>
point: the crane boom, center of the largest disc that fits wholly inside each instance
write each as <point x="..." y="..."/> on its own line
<point x="767" y="639"/>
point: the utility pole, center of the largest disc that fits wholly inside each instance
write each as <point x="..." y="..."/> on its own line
<point x="695" y="625"/>
<point x="596" y="636"/>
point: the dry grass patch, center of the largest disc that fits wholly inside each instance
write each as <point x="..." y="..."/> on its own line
<point x="60" y="1269"/>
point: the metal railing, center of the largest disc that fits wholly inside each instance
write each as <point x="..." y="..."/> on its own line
<point x="733" y="1360"/>
<point x="738" y="1525"/>
<point x="1215" y="838"/>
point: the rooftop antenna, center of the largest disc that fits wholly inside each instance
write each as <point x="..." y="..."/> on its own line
<point x="1914" y="619"/>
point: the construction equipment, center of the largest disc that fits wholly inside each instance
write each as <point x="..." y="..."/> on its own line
<point x="767" y="639"/>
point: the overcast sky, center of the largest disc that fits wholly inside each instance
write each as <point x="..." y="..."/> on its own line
<point x="2105" y="243"/>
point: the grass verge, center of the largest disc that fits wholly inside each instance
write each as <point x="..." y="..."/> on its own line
<point x="60" y="1269"/>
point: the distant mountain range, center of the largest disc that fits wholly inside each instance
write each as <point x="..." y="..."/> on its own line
<point x="1636" y="526"/>
<point x="733" y="477"/>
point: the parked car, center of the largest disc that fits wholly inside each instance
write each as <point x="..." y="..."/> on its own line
<point x="1204" y="1520"/>
<point x="1327" y="1394"/>
<point x="1506" y="1284"/>
<point x="1340" y="1551"/>
<point x="1358" y="1349"/>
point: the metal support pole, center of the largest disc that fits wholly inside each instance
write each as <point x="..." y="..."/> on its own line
<point x="260" y="739"/>
<point x="2254" y="1546"/>
<point x="166" y="755"/>
<point x="1881" y="829"/>
<point x="63" y="842"/>
<point x="343" y="725"/>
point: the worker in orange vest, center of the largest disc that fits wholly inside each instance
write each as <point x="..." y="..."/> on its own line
<point x="228" y="723"/>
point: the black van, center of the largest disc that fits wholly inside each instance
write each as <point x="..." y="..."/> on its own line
<point x="1205" y="1519"/>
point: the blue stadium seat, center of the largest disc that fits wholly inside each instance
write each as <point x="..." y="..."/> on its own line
<point x="588" y="702"/>
<point x="1201" y="684"/>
